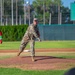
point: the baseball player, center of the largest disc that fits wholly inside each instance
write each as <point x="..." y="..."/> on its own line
<point x="31" y="34"/>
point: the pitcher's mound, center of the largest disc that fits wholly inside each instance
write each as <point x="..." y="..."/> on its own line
<point x="42" y="62"/>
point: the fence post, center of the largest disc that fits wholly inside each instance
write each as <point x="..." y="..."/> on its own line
<point x="1" y="12"/>
<point x="50" y="19"/>
<point x="60" y="18"/>
<point x="6" y="21"/>
<point x="20" y="19"/>
<point x="12" y="10"/>
<point x="16" y="13"/>
<point x="43" y="13"/>
<point x="24" y="12"/>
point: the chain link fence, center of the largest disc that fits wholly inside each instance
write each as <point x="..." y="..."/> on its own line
<point x="18" y="14"/>
<point x="7" y="20"/>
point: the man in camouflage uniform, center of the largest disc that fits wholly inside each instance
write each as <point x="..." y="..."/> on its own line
<point x="31" y="34"/>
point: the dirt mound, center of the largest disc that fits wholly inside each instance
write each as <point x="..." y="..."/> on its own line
<point x="42" y="62"/>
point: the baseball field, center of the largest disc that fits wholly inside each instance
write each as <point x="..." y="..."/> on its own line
<point x="52" y="58"/>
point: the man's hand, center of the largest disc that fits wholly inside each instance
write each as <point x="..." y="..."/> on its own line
<point x="39" y="39"/>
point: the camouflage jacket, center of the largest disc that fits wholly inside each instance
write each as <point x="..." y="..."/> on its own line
<point x="32" y="32"/>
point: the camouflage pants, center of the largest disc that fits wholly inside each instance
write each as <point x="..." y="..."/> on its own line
<point x="24" y="43"/>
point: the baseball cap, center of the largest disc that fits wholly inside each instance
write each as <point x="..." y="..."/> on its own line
<point x="35" y="19"/>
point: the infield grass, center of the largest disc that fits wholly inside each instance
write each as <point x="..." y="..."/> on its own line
<point x="65" y="55"/>
<point x="7" y="55"/>
<point x="15" y="71"/>
<point x="43" y="44"/>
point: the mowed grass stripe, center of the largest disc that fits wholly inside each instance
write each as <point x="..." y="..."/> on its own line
<point x="43" y="44"/>
<point x="15" y="71"/>
<point x="65" y="55"/>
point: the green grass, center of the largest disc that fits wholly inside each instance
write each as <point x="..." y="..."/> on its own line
<point x="61" y="55"/>
<point x="65" y="55"/>
<point x="43" y="44"/>
<point x="5" y="57"/>
<point x="15" y="71"/>
<point x="9" y="45"/>
<point x="56" y="44"/>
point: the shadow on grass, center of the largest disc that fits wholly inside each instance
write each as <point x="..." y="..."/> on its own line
<point x="46" y="57"/>
<point x="43" y="57"/>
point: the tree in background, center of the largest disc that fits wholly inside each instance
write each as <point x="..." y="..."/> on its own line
<point x="7" y="10"/>
<point x="66" y="15"/>
<point x="7" y="7"/>
<point x="43" y="8"/>
<point x="39" y="8"/>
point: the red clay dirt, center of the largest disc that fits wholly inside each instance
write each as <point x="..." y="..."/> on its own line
<point x="43" y="50"/>
<point x="41" y="63"/>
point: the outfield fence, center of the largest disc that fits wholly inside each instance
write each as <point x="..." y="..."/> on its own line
<point x="47" y="32"/>
<point x="57" y="32"/>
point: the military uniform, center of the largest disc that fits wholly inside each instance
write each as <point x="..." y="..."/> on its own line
<point x="31" y="34"/>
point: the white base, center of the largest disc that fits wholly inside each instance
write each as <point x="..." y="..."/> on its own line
<point x="26" y="51"/>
